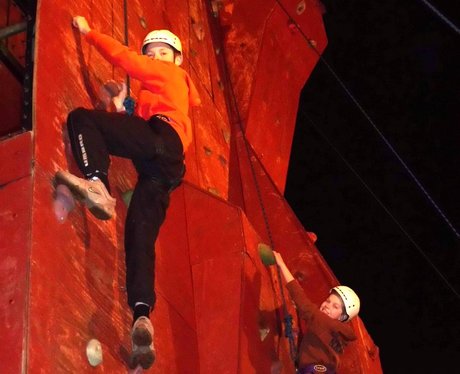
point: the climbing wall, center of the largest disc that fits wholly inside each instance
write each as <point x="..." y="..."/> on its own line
<point x="15" y="226"/>
<point x="270" y="59"/>
<point x="218" y="308"/>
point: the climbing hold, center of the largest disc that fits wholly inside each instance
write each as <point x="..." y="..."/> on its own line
<point x="264" y="333"/>
<point x="94" y="352"/>
<point x="64" y="202"/>
<point x="266" y="254"/>
<point x="226" y="135"/>
<point x="312" y="236"/>
<point x="216" y="7"/>
<point x="143" y="22"/>
<point x="198" y="29"/>
<point x="223" y="160"/>
<point x="214" y="191"/>
<point x="207" y="151"/>
<point x="301" y="6"/>
<point x="126" y="196"/>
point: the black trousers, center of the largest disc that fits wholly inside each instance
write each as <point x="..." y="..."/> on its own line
<point x="157" y="154"/>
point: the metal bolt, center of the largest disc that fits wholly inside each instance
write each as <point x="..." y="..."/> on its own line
<point x="301" y="7"/>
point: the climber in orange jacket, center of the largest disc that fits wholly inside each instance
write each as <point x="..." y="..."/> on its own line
<point x="327" y="331"/>
<point x="155" y="139"/>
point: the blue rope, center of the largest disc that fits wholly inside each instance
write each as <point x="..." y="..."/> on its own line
<point x="288" y="333"/>
<point x="129" y="104"/>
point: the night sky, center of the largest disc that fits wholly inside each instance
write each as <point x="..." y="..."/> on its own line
<point x="401" y="62"/>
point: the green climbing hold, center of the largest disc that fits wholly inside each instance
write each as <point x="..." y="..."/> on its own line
<point x="126" y="196"/>
<point x="266" y="254"/>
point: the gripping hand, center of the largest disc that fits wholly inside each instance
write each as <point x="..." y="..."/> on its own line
<point x="81" y="24"/>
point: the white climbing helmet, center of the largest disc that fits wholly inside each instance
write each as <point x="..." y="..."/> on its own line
<point x="350" y="301"/>
<point x="163" y="36"/>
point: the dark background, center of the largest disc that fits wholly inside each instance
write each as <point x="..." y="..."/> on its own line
<point x="401" y="62"/>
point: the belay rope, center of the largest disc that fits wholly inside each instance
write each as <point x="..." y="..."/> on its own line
<point x="128" y="103"/>
<point x="233" y="105"/>
<point x="288" y="333"/>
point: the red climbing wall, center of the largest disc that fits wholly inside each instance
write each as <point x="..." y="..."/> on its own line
<point x="15" y="225"/>
<point x="270" y="59"/>
<point x="218" y="307"/>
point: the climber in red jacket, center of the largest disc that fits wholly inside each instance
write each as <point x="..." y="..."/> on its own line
<point x="155" y="139"/>
<point x="327" y="331"/>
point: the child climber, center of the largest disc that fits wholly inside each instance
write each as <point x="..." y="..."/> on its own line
<point x="327" y="333"/>
<point x="155" y="139"/>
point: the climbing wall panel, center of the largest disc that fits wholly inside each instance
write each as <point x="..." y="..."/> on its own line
<point x="207" y="158"/>
<point x="233" y="291"/>
<point x="175" y="340"/>
<point x="14" y="251"/>
<point x="79" y="262"/>
<point x="15" y="201"/>
<point x="210" y="149"/>
<point x="285" y="62"/>
<point x="218" y="285"/>
<point x="263" y="346"/>
<point x="174" y="276"/>
<point x="243" y="41"/>
<point x="198" y="44"/>
<point x="270" y="59"/>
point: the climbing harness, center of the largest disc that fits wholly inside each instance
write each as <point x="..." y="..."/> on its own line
<point x="129" y="102"/>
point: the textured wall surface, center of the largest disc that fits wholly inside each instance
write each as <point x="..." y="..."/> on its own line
<point x="219" y="307"/>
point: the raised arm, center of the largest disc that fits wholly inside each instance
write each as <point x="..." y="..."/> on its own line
<point x="137" y="66"/>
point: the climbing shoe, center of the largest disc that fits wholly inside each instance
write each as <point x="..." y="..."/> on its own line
<point x="92" y="192"/>
<point x="143" y="352"/>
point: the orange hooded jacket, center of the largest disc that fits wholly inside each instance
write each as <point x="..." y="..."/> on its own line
<point x="165" y="87"/>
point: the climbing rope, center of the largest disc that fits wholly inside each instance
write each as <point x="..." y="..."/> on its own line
<point x="233" y="104"/>
<point x="129" y="102"/>
<point x="287" y="316"/>
<point x="441" y="16"/>
<point x="382" y="205"/>
<point x="372" y="123"/>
